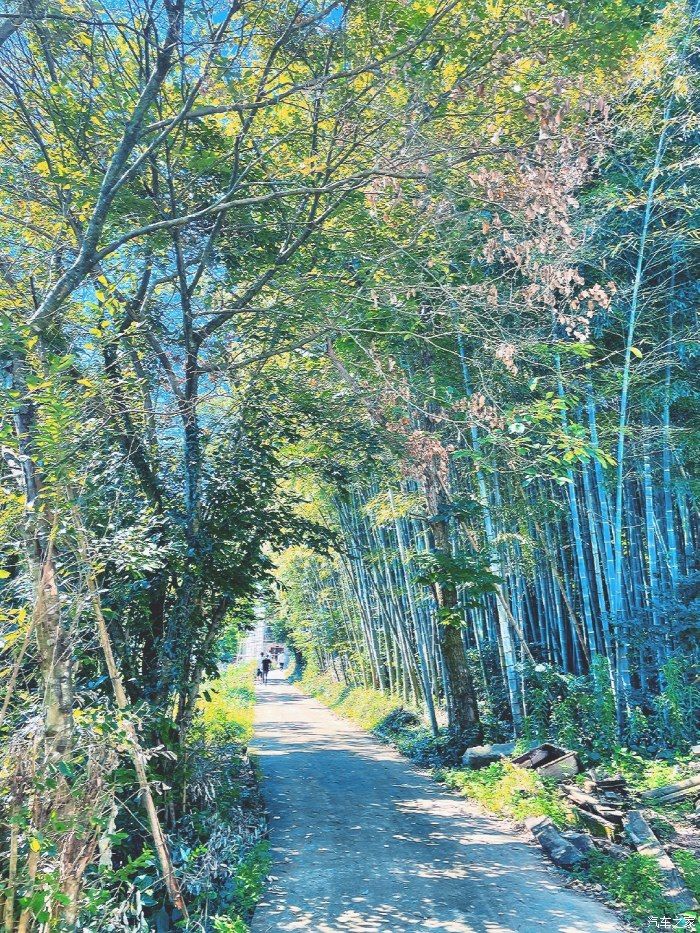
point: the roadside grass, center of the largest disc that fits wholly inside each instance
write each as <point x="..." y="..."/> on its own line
<point x="634" y="885"/>
<point x="229" y="858"/>
<point x="511" y="792"/>
<point x="387" y="717"/>
<point x="363" y="705"/>
<point x="689" y="865"/>
<point x="226" y="706"/>
<point x="647" y="773"/>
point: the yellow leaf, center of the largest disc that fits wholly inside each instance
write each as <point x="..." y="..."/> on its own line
<point x="637" y="352"/>
<point x="35" y="845"/>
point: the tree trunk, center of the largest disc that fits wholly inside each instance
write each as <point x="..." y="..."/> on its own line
<point x="463" y="710"/>
<point x="55" y="650"/>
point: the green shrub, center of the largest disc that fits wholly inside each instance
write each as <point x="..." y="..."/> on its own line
<point x="647" y="773"/>
<point x="634" y="883"/>
<point x="230" y="925"/>
<point x="365" y="706"/>
<point x="250" y="880"/>
<point x="577" y="712"/>
<point x="226" y="706"/>
<point x="513" y="792"/>
<point x="678" y="705"/>
<point x="224" y="861"/>
<point x="689" y="865"/>
<point x="386" y="717"/>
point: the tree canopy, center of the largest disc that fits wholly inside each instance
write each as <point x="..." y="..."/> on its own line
<point x="379" y="315"/>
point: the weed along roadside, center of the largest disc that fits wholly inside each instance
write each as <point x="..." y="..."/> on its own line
<point x="656" y="878"/>
<point x="222" y="840"/>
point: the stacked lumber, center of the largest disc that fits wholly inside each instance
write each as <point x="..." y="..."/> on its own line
<point x="616" y="784"/>
<point x="600" y="804"/>
<point x="594" y="805"/>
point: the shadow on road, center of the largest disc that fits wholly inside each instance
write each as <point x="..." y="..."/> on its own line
<point x="362" y="841"/>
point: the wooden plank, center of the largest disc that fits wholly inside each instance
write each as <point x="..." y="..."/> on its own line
<point x="564" y="767"/>
<point x="616" y="780"/>
<point x="686" y="794"/>
<point x="539" y="755"/>
<point x="644" y="840"/>
<point x="596" y="825"/>
<point x="581" y="797"/>
<point x="589" y="802"/>
<point x="550" y="761"/>
<point x="690" y="784"/>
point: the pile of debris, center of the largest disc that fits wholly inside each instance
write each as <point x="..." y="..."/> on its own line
<point x="600" y="804"/>
<point x="605" y="807"/>
<point x="548" y="760"/>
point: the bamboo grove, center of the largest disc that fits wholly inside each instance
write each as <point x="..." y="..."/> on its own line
<point x="380" y="315"/>
<point x="543" y="511"/>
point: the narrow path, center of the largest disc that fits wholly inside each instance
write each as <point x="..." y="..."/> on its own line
<point x="363" y="842"/>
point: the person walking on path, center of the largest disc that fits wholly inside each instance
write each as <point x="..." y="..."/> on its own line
<point x="282" y="660"/>
<point x="266" y="665"/>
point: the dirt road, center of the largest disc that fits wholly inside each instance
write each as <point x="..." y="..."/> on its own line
<point x="363" y="842"/>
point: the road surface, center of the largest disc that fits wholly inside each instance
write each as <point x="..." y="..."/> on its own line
<point x="363" y="842"/>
